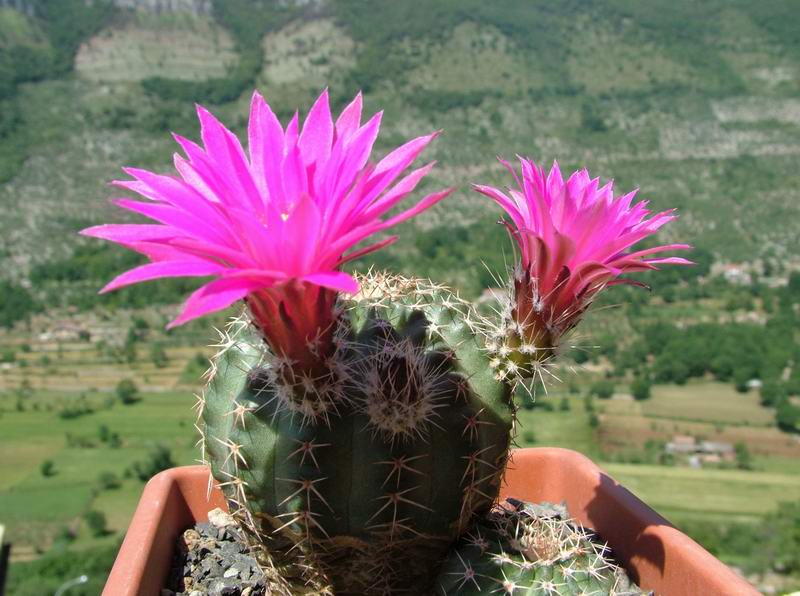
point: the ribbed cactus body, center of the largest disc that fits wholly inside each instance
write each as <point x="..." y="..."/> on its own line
<point x="376" y="461"/>
<point x="531" y="550"/>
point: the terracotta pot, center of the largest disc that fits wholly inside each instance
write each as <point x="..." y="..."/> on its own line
<point x="655" y="554"/>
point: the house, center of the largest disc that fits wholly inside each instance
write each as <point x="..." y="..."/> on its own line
<point x="698" y="453"/>
<point x="681" y="445"/>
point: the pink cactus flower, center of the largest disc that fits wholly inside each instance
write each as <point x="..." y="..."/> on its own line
<point x="574" y="239"/>
<point x="272" y="225"/>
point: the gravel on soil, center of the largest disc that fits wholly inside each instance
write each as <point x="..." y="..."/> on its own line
<point x="213" y="559"/>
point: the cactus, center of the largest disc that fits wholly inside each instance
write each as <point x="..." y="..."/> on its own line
<point x="379" y="462"/>
<point x="533" y="550"/>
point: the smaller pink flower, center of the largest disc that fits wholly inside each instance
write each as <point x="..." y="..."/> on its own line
<point x="574" y="239"/>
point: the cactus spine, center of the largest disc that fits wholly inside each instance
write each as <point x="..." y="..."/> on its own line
<point x="363" y="474"/>
<point x="531" y="550"/>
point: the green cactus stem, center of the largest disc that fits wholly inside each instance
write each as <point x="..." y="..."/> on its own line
<point x="364" y="472"/>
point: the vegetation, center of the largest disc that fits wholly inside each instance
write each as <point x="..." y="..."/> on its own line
<point x="159" y="459"/>
<point x="96" y="522"/>
<point x="16" y="304"/>
<point x="47" y="468"/>
<point x="127" y="392"/>
<point x="45" y="575"/>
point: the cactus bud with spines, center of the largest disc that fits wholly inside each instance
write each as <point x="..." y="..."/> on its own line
<point x="531" y="550"/>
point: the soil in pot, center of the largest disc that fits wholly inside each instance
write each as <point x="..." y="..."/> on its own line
<point x="213" y="558"/>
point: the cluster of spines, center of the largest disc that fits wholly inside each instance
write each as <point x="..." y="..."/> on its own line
<point x="518" y="356"/>
<point x="384" y="293"/>
<point x="528" y="549"/>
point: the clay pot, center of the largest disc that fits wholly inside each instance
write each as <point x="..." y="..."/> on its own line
<point x="656" y="555"/>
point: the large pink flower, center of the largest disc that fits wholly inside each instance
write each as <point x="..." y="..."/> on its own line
<point x="575" y="239"/>
<point x="274" y="224"/>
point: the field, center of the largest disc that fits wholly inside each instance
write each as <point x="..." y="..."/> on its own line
<point x="706" y="409"/>
<point x="680" y="494"/>
<point x="52" y="376"/>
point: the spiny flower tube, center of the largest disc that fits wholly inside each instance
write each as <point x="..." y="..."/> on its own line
<point x="574" y="239"/>
<point x="272" y="225"/>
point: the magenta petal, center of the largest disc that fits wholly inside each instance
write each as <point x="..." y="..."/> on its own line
<point x="349" y="120"/>
<point x="125" y="233"/>
<point x="426" y="203"/>
<point x="215" y="296"/>
<point x="302" y="246"/>
<point x="335" y="280"/>
<point x="317" y="135"/>
<point x="403" y="156"/>
<point x="358" y="153"/>
<point x="163" y="269"/>
<point x="656" y="249"/>
<point x="171" y="216"/>
<point x="368" y="249"/>
<point x="669" y="261"/>
<point x="397" y="193"/>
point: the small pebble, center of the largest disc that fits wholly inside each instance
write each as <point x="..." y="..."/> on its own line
<point x="232" y="572"/>
<point x="221" y="519"/>
<point x="190" y="540"/>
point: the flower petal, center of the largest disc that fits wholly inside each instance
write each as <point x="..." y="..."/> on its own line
<point x="215" y="296"/>
<point x="336" y="280"/>
<point x="163" y="269"/>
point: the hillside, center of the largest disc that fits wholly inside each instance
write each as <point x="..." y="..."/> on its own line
<point x="705" y="118"/>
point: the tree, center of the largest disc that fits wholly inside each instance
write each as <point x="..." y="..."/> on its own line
<point x="129" y="349"/>
<point x="108" y="481"/>
<point x="158" y="356"/>
<point x="640" y="388"/>
<point x="160" y="459"/>
<point x="96" y="521"/>
<point x="772" y="392"/>
<point x="787" y="416"/>
<point x="16" y="304"/>
<point x="47" y="468"/>
<point x="127" y="392"/>
<point x="603" y="389"/>
<point x="741" y="378"/>
<point x="744" y="460"/>
<point x="793" y="286"/>
<point x="784" y="526"/>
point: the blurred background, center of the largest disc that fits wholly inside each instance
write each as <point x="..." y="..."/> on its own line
<point x="689" y="394"/>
